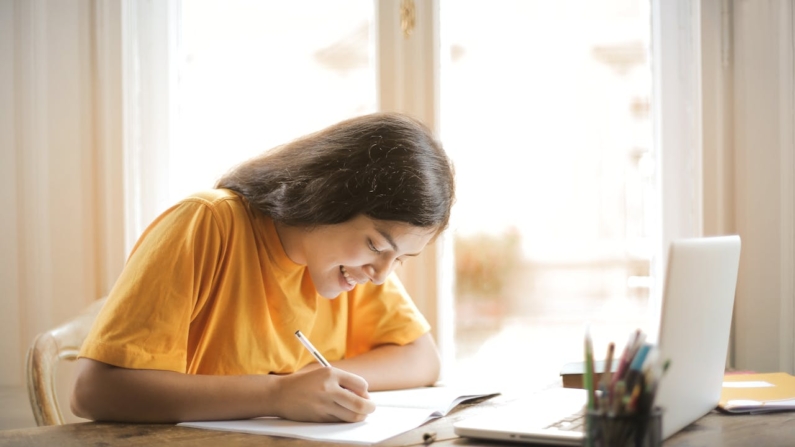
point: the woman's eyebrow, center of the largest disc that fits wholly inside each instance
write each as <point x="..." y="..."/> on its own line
<point x="391" y="241"/>
<point x="388" y="238"/>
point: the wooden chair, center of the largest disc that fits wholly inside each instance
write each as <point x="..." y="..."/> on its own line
<point x="61" y="343"/>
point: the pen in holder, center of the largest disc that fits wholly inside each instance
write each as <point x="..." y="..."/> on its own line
<point x="621" y="411"/>
<point x="624" y="430"/>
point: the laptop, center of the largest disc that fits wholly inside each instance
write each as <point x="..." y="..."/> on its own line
<point x="697" y="304"/>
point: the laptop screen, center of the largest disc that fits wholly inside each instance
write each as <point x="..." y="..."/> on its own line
<point x="698" y="299"/>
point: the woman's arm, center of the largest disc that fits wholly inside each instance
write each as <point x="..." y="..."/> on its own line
<point x="109" y="393"/>
<point x="390" y="367"/>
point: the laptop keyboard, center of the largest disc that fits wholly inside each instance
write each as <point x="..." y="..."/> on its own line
<point x="572" y="422"/>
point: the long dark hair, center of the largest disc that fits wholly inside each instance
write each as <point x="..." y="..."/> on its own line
<point x="386" y="166"/>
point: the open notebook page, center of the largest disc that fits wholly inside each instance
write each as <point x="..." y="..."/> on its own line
<point x="438" y="399"/>
<point x="396" y="412"/>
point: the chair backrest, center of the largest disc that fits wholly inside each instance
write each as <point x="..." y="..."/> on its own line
<point x="61" y="343"/>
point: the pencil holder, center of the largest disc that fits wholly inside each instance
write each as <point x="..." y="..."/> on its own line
<point x="625" y="430"/>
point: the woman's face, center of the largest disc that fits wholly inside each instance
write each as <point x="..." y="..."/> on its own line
<point x="340" y="256"/>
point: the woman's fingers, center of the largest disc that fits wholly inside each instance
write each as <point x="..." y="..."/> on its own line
<point x="353" y="395"/>
<point x="352" y="383"/>
<point x="325" y="395"/>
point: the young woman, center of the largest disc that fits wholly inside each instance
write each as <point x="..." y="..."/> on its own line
<point x="200" y="325"/>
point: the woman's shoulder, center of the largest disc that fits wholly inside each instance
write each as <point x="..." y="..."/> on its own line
<point x="214" y="197"/>
<point x="224" y="205"/>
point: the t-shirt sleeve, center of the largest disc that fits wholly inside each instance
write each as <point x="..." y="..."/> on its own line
<point x="145" y="322"/>
<point x="380" y="315"/>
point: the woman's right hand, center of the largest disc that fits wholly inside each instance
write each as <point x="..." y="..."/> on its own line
<point x="323" y="395"/>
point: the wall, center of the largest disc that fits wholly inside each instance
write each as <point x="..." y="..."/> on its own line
<point x="763" y="125"/>
<point x="61" y="205"/>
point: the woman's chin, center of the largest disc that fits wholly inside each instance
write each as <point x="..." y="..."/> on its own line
<point x="330" y="293"/>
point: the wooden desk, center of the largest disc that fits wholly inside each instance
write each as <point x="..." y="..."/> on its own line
<point x="714" y="429"/>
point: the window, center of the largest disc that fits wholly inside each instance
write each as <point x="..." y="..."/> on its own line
<point x="597" y="227"/>
<point x="253" y="75"/>
<point x="545" y="109"/>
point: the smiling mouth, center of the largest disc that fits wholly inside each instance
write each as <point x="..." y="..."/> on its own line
<point x="348" y="277"/>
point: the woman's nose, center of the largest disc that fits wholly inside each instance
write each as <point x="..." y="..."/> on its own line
<point x="378" y="271"/>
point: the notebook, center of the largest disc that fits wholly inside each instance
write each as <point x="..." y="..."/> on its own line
<point x="396" y="412"/>
<point x="757" y="393"/>
<point x="695" y="319"/>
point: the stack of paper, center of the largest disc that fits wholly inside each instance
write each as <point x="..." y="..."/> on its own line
<point x="757" y="393"/>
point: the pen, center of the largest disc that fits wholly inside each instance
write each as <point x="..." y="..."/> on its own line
<point x="312" y="349"/>
<point x="589" y="372"/>
<point x="635" y="367"/>
<point x="656" y="373"/>
<point x="623" y="362"/>
<point x="604" y="383"/>
<point x="618" y="399"/>
<point x="589" y="384"/>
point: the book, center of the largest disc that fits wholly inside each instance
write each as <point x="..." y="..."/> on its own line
<point x="757" y="393"/>
<point x="396" y="412"/>
<point x="572" y="373"/>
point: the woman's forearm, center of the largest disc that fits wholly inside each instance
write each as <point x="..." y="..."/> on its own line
<point x="108" y="393"/>
<point x="105" y="392"/>
<point x="391" y="367"/>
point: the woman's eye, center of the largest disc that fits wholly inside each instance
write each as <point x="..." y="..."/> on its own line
<point x="372" y="247"/>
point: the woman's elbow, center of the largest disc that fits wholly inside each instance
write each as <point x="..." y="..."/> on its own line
<point x="434" y="369"/>
<point x="78" y="404"/>
<point x="85" y="399"/>
<point x="430" y="359"/>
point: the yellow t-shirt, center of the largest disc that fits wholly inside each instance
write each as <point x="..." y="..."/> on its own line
<point x="208" y="289"/>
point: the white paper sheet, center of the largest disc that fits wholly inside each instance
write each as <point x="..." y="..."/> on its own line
<point x="383" y="423"/>
<point x="396" y="412"/>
